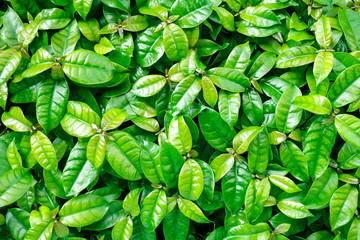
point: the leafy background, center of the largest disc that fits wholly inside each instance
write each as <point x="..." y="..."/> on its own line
<point x="179" y="119"/>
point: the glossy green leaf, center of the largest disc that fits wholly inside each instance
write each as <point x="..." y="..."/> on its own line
<point x="148" y="86"/>
<point x="9" y="61"/>
<point x="192" y="211"/>
<point x="185" y="93"/>
<point x="316" y="104"/>
<point x="149" y="47"/>
<point x="228" y="79"/>
<point x="343" y="205"/>
<point x="175" y="42"/>
<point x="348" y="20"/>
<point x="40" y="62"/>
<point x="296" y="56"/>
<point x="293" y="209"/>
<point x="95" y="151"/>
<point x="259" y="16"/>
<point x="179" y="135"/>
<point x="323" y="65"/>
<point x="294" y="159"/>
<point x="64" y="41"/>
<point x="323" y="32"/>
<point x="153" y="209"/>
<point x="83" y="7"/>
<point x="83" y="210"/>
<point x="284" y="183"/>
<point x="348" y="128"/>
<point x="14" y="184"/>
<point x="43" y="151"/>
<point x="191" y="180"/>
<point x="131" y="202"/>
<point x="51" y="102"/>
<point x="239" y="57"/>
<point x="78" y="120"/>
<point x="123" y="229"/>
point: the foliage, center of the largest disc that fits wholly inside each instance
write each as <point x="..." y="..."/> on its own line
<point x="179" y="119"/>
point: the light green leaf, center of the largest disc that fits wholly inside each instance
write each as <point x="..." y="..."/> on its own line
<point x="185" y="93"/>
<point x="123" y="154"/>
<point x="348" y="19"/>
<point x="78" y="120"/>
<point x="296" y="56"/>
<point x="221" y="165"/>
<point x="9" y="62"/>
<point x="83" y="210"/>
<point x="175" y="42"/>
<point x="316" y="104"/>
<point x="13" y="156"/>
<point x="210" y="93"/>
<point x="243" y="138"/>
<point x="284" y="183"/>
<point x="229" y="105"/>
<point x="83" y="7"/>
<point x="104" y="46"/>
<point x="131" y="202"/>
<point x="64" y="41"/>
<point x="95" y="151"/>
<point x="191" y="180"/>
<point x="14" y="184"/>
<point x="346" y="87"/>
<point x="148" y="86"/>
<point x="259" y="16"/>
<point x="179" y="135"/>
<point x="192" y="211"/>
<point x="239" y="57"/>
<point x="348" y="127"/>
<point x="80" y="64"/>
<point x="248" y="232"/>
<point x="15" y="120"/>
<point x="43" y="151"/>
<point x="41" y="61"/>
<point x="153" y="209"/>
<point x="294" y="159"/>
<point x="323" y="32"/>
<point x="343" y="205"/>
<point x="113" y="118"/>
<point x="123" y="229"/>
<point x="293" y="209"/>
<point x="90" y="29"/>
<point x="228" y="79"/>
<point x="323" y="65"/>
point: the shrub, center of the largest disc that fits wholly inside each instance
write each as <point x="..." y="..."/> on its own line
<point x="179" y="119"/>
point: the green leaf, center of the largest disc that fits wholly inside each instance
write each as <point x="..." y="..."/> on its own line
<point x="226" y="18"/>
<point x="243" y="138"/>
<point x="104" y="46"/>
<point x="348" y="157"/>
<point x="348" y="128"/>
<point x="210" y="93"/>
<point x="154" y="8"/>
<point x="191" y="14"/>
<point x="262" y="65"/>
<point x="239" y="57"/>
<point x="323" y="65"/>
<point x="221" y="165"/>
<point x="131" y="202"/>
<point x="171" y="163"/>
<point x="123" y="229"/>
<point x="247" y="232"/>
<point x="259" y="16"/>
<point x="250" y="30"/>
<point x="54" y="18"/>
<point x="17" y="220"/>
<point x="43" y="151"/>
<point x="78" y="172"/>
<point x="185" y="93"/>
<point x="348" y="20"/>
<point x="252" y="106"/>
<point x="293" y="209"/>
<point x="215" y="130"/>
<point x="323" y="32"/>
<point x="14" y="184"/>
<point x="13" y="156"/>
<point x="113" y="119"/>
<point x="96" y="149"/>
<point x="288" y="116"/>
<point x="153" y="209"/>
<point x="149" y="47"/>
<point x="346" y="87"/>
<point x="123" y="154"/>
<point x="78" y="120"/>
<point x="294" y="159"/>
<point x="321" y="190"/>
<point x="83" y="210"/>
<point x="316" y="104"/>
<point x="179" y="135"/>
<point x="90" y="29"/>
<point x="192" y="211"/>
<point x="42" y="230"/>
<point x="122" y="5"/>
<point x="51" y="102"/>
<point x="296" y="56"/>
<point x="12" y="25"/>
<point x="3" y="95"/>
<point x="343" y="205"/>
<point x="176" y="225"/>
<point x="9" y="62"/>
<point x="228" y="79"/>
<point x="175" y="42"/>
<point x="259" y="152"/>
<point x="229" y="105"/>
<point x="15" y="120"/>
<point x="64" y="41"/>
<point x="148" y="86"/>
<point x="135" y="23"/>
<point x="40" y="62"/>
<point x="234" y="185"/>
<point x="284" y="183"/>
<point x="354" y="230"/>
<point x="150" y="162"/>
<point x="191" y="180"/>
<point x="79" y="64"/>
<point x="83" y="7"/>
<point x="318" y="142"/>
